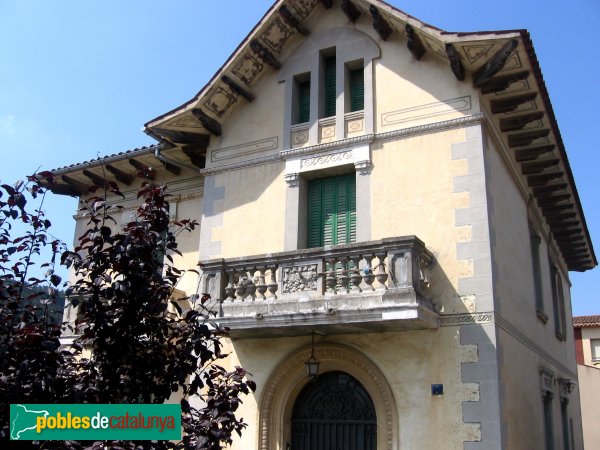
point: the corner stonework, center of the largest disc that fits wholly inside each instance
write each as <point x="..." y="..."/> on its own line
<point x="478" y="286"/>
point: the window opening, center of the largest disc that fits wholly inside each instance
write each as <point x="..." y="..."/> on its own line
<point x="329" y="86"/>
<point x="332" y="210"/>
<point x="357" y="90"/>
<point x="302" y="100"/>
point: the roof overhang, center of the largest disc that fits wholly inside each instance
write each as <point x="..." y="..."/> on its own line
<point x="502" y="65"/>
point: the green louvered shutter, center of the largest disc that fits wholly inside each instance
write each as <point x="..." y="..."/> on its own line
<point x="357" y="90"/>
<point x="303" y="102"/>
<point x="332" y="211"/>
<point x="329" y="86"/>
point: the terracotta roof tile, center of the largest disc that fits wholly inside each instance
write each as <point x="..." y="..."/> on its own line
<point x="586" y="321"/>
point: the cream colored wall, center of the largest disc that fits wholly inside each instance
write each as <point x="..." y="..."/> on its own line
<point x="586" y="335"/>
<point x="412" y="193"/>
<point x="253" y="211"/>
<point x="424" y="421"/>
<point x="410" y="92"/>
<point x="589" y="388"/>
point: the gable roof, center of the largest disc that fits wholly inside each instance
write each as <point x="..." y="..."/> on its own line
<point x="501" y="64"/>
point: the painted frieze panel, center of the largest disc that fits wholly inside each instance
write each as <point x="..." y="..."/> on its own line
<point x="276" y="35"/>
<point x="247" y="69"/>
<point x="219" y="101"/>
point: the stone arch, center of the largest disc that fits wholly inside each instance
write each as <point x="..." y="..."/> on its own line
<point x="289" y="377"/>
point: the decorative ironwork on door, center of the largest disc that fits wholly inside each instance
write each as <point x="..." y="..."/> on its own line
<point x="334" y="413"/>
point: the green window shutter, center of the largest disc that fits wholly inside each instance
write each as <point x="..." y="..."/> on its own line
<point x="314" y="214"/>
<point x="332" y="211"/>
<point x="330" y="96"/>
<point x="357" y="90"/>
<point x="303" y="102"/>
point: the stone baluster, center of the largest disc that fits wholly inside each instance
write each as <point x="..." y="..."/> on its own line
<point x="272" y="286"/>
<point x="262" y="286"/>
<point x="343" y="278"/>
<point x="230" y="288"/>
<point x="355" y="275"/>
<point x="240" y="289"/>
<point x="368" y="276"/>
<point x="250" y="286"/>
<point x="330" y="276"/>
<point x="381" y="274"/>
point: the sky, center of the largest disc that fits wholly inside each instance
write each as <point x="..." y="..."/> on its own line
<point x="78" y="79"/>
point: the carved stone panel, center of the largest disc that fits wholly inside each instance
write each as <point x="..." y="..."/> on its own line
<point x="299" y="138"/>
<point x="299" y="278"/>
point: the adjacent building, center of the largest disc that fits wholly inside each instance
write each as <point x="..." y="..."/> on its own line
<point x="393" y="201"/>
<point x="587" y="351"/>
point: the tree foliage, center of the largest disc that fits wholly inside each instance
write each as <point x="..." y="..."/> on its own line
<point x="136" y="342"/>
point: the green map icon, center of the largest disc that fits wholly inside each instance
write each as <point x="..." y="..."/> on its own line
<point x="24" y="419"/>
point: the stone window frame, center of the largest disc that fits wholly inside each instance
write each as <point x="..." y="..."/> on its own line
<point x="299" y="169"/>
<point x="350" y="45"/>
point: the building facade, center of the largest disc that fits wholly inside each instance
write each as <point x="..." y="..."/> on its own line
<point x="587" y="352"/>
<point x="394" y="201"/>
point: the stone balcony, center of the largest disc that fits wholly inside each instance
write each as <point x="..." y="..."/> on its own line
<point x="370" y="286"/>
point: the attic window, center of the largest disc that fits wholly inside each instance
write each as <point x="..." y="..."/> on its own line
<point x="329" y="85"/>
<point x="301" y="98"/>
<point x="355" y="86"/>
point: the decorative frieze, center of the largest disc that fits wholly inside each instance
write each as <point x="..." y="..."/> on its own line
<point x="325" y="159"/>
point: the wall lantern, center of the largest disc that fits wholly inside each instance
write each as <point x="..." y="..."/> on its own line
<point x="312" y="363"/>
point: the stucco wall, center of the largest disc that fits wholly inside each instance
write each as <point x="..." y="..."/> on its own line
<point x="410" y="361"/>
<point x="410" y="196"/>
<point x="525" y="342"/>
<point x="589" y="388"/>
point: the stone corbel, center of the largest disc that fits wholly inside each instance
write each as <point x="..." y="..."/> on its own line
<point x="363" y="167"/>
<point x="292" y="179"/>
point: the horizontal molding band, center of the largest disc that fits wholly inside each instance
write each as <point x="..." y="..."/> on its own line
<point x="349" y="142"/>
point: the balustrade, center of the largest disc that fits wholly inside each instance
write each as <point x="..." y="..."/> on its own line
<point x="355" y="276"/>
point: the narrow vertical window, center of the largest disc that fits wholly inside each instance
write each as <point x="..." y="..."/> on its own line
<point x="558" y="302"/>
<point x="564" y="412"/>
<point x="548" y="423"/>
<point x="329" y="80"/>
<point x="302" y="97"/>
<point x="357" y="90"/>
<point x="535" y="242"/>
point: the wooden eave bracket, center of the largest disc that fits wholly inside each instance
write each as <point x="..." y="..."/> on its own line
<point x="380" y="25"/>
<point x="499" y="84"/>
<point x="210" y="124"/>
<point x="414" y="44"/>
<point x="350" y="9"/>
<point x="236" y="88"/>
<point x="96" y="179"/>
<point x="455" y="64"/>
<point x="292" y="20"/>
<point x="510" y="104"/>
<point x="120" y="175"/>
<point x="147" y="171"/>
<point x="495" y="64"/>
<point x="79" y="186"/>
<point x="264" y="54"/>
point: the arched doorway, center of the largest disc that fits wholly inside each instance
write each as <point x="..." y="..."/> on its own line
<point x="334" y="412"/>
<point x="289" y="378"/>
